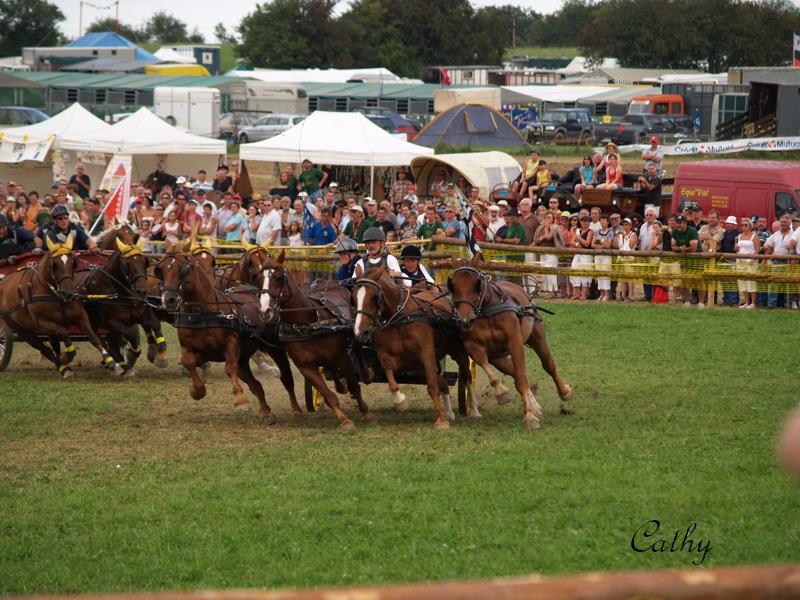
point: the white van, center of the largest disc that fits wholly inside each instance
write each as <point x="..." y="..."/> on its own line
<point x="195" y="109"/>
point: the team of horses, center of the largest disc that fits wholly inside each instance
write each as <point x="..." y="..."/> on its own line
<point x="255" y="305"/>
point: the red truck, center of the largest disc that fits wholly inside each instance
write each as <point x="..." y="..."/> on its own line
<point x="742" y="188"/>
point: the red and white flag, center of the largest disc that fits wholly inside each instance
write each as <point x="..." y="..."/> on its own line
<point x="444" y="76"/>
<point x="796" y="50"/>
<point x="120" y="200"/>
<point x="117" y="180"/>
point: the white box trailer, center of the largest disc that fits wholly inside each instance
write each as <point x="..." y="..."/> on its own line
<point x="196" y="109"/>
<point x="250" y="95"/>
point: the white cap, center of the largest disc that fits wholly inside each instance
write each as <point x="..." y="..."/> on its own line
<point x="358" y="208"/>
<point x="503" y="203"/>
<point x="731" y="220"/>
<point x="302" y="195"/>
<point x="180" y="180"/>
<point x="494" y="207"/>
<point x="333" y="184"/>
<point x="368" y="200"/>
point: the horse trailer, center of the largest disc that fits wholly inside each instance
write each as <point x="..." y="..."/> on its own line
<point x="196" y="109"/>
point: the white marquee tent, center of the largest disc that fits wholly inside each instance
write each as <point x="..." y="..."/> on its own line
<point x="333" y="138"/>
<point x="25" y="156"/>
<point x="152" y="143"/>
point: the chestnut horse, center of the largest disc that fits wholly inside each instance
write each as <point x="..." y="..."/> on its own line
<point x="43" y="301"/>
<point x="115" y="299"/>
<point x="411" y="328"/>
<point x="213" y="325"/>
<point x="496" y="319"/>
<point x="316" y="328"/>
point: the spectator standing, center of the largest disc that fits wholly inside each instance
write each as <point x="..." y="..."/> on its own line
<point x="222" y="181"/>
<point x="727" y="246"/>
<point x="282" y="189"/>
<point x="311" y="180"/>
<point x="684" y="239"/>
<point x="531" y="223"/>
<point x="778" y="245"/>
<point x="172" y="229"/>
<point x="594" y="215"/>
<point x="603" y="239"/>
<point x="646" y="232"/>
<point x="710" y="236"/>
<point x="358" y="225"/>
<point x="495" y="224"/>
<point x="269" y="229"/>
<point x="452" y="226"/>
<point x="81" y="181"/>
<point x="626" y="241"/>
<point x="654" y="156"/>
<point x="582" y="238"/>
<point x="399" y="188"/>
<point x="548" y="235"/>
<point x="650" y="185"/>
<point x="480" y="221"/>
<point x="439" y="186"/>
<point x="234" y="224"/>
<point x="432" y="224"/>
<point x="202" y="183"/>
<point x="295" y="234"/>
<point x="251" y="223"/>
<point x="324" y="233"/>
<point x="224" y="214"/>
<point x="747" y="244"/>
<point x="208" y="224"/>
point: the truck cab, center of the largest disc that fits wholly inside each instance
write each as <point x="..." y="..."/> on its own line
<point x="659" y="104"/>
<point x="743" y="188"/>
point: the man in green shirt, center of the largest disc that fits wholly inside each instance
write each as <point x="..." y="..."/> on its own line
<point x="515" y="234"/>
<point x="431" y="225"/>
<point x="311" y="180"/>
<point x="358" y="225"/>
<point x="684" y="239"/>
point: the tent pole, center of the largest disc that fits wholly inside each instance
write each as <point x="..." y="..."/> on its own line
<point x="371" y="180"/>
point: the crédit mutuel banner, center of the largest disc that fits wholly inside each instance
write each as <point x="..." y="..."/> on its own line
<point x="14" y="149"/>
<point x="776" y="144"/>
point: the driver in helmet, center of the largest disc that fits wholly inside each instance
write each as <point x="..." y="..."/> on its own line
<point x="412" y="268"/>
<point x="377" y="256"/>
<point x="62" y="227"/>
<point x="14" y="241"/>
<point x="347" y="251"/>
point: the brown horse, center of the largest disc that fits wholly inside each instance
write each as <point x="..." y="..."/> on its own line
<point x="213" y="325"/>
<point x="43" y="301"/>
<point x="496" y="319"/>
<point x="115" y="299"/>
<point x="316" y="327"/>
<point x="410" y="328"/>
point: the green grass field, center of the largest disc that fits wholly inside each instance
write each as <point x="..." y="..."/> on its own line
<point x="543" y="52"/>
<point x="120" y="486"/>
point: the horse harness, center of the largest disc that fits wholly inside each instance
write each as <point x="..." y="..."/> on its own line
<point x="400" y="317"/>
<point x="486" y="305"/>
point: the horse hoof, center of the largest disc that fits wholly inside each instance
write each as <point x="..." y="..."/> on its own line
<point x="151" y="354"/>
<point x="504" y="397"/>
<point x="370" y="418"/>
<point x="441" y="425"/>
<point x="531" y="422"/>
<point x="567" y="395"/>
<point x="67" y="374"/>
<point x="241" y="406"/>
<point x="118" y="370"/>
<point x="161" y="363"/>
<point x="348" y="425"/>
<point x="566" y="409"/>
<point x="269" y="419"/>
<point x="198" y="393"/>
<point x="129" y="374"/>
<point x="400" y="407"/>
<point x="451" y="416"/>
<point x="475" y="415"/>
<point x="206" y="368"/>
<point x="297" y="414"/>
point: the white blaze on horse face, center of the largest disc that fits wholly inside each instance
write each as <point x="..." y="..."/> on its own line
<point x="265" y="297"/>
<point x="360" y="294"/>
<point x="64" y="260"/>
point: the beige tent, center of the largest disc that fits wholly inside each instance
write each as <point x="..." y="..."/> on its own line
<point x="483" y="170"/>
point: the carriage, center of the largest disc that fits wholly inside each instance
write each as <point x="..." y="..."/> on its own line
<point x="6" y="335"/>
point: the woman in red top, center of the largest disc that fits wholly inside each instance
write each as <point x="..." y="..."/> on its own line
<point x="613" y="175"/>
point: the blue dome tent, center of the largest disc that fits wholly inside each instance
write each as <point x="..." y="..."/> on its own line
<point x="470" y="126"/>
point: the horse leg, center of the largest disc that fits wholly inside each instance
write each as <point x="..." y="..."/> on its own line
<point x="521" y="379"/>
<point x="281" y="360"/>
<point x="438" y="389"/>
<point x="505" y="365"/>
<point x="444" y="391"/>
<point x="46" y="351"/>
<point x="131" y="335"/>
<point x="311" y="373"/>
<point x="190" y="362"/>
<point x="70" y="351"/>
<point x="398" y="397"/>
<point x="481" y="358"/>
<point x="83" y="324"/>
<point x="355" y="391"/>
<point x="246" y="374"/>
<point x="261" y="359"/>
<point x="538" y="342"/>
<point x="233" y="352"/>
<point x="464" y="374"/>
<point x="156" y="344"/>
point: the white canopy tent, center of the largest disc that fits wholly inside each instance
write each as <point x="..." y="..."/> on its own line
<point x="373" y="75"/>
<point x="33" y="144"/>
<point x="333" y="138"/>
<point x="169" y="55"/>
<point x="556" y="93"/>
<point x="153" y="144"/>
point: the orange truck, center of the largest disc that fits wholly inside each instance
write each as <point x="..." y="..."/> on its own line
<point x="659" y="104"/>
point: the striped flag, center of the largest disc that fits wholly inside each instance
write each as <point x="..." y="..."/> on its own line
<point x="472" y="245"/>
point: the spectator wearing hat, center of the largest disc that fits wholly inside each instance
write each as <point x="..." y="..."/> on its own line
<point x="696" y="219"/>
<point x="654" y="156"/>
<point x="358" y="225"/>
<point x="412" y="268"/>
<point x="778" y="245"/>
<point x="495" y="224"/>
<point x="370" y="210"/>
<point x="504" y="206"/>
<point x="411" y="195"/>
<point x="626" y="241"/>
<point x="452" y="195"/>
<point x="582" y="237"/>
<point x="727" y="246"/>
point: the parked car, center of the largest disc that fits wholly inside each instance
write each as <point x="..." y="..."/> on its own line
<point x="561" y="125"/>
<point x="638" y="128"/>
<point x="230" y="124"/>
<point x="19" y="116"/>
<point x="390" y="121"/>
<point x="267" y="127"/>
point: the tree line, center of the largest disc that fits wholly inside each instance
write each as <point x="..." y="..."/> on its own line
<point x="406" y="35"/>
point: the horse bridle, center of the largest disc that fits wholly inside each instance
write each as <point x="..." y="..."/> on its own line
<point x="283" y="292"/>
<point x="374" y="317"/>
<point x="483" y="281"/>
<point x="186" y="271"/>
<point x="58" y="280"/>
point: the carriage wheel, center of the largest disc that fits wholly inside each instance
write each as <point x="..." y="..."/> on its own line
<point x="6" y="345"/>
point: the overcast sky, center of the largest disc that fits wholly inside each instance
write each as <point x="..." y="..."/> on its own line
<point x="205" y="13"/>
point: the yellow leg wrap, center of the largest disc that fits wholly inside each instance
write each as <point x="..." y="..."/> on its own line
<point x="70" y="349"/>
<point x="136" y="350"/>
<point x="108" y="360"/>
<point x="316" y="397"/>
<point x="62" y="368"/>
<point x="160" y="340"/>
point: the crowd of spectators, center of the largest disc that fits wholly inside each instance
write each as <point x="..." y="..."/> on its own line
<point x="306" y="208"/>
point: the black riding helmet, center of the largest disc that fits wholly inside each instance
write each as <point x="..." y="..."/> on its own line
<point x="374" y="234"/>
<point x="59" y="210"/>
<point x="411" y="252"/>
